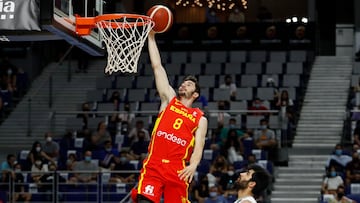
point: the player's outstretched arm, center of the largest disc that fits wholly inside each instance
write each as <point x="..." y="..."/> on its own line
<point x="188" y="172"/>
<point x="166" y="92"/>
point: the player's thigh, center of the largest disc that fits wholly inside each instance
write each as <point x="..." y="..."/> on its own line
<point x="151" y="188"/>
<point x="176" y="193"/>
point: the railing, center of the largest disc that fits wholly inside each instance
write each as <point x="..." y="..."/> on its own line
<point x="58" y="187"/>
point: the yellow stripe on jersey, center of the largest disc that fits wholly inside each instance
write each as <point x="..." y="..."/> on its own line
<point x="156" y="125"/>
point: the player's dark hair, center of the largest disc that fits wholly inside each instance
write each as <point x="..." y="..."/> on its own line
<point x="193" y="79"/>
<point x="261" y="177"/>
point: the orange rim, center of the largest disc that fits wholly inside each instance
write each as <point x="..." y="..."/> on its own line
<point x="84" y="25"/>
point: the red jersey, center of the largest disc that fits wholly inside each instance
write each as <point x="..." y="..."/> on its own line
<point x="173" y="135"/>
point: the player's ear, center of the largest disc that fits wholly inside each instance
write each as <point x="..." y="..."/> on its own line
<point x="196" y="95"/>
<point x="252" y="184"/>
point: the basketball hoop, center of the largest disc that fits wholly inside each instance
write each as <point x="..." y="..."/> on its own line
<point x="124" y="36"/>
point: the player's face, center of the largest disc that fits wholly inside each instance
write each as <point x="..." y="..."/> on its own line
<point x="187" y="89"/>
<point x="244" y="179"/>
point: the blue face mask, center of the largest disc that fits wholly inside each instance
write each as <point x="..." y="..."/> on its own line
<point x="333" y="173"/>
<point x="213" y="194"/>
<point x="338" y="152"/>
<point x="88" y="158"/>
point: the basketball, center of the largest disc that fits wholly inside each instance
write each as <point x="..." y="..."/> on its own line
<point x="162" y="17"/>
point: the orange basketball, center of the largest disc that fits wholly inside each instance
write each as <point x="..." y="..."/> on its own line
<point x="162" y="16"/>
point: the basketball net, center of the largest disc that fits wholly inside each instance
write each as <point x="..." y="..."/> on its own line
<point x="124" y="39"/>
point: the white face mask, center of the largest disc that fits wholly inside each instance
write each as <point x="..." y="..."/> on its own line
<point x="38" y="163"/>
<point x="48" y="139"/>
<point x="38" y="149"/>
<point x="230" y="173"/>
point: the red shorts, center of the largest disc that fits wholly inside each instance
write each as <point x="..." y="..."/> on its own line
<point x="159" y="178"/>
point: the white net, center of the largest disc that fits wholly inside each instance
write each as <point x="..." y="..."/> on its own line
<point x="124" y="39"/>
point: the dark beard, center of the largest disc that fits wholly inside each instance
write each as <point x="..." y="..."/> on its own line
<point x="241" y="185"/>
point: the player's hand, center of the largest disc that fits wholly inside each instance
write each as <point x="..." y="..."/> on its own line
<point x="187" y="173"/>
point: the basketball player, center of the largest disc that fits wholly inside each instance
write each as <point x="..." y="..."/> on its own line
<point x="177" y="140"/>
<point x="251" y="184"/>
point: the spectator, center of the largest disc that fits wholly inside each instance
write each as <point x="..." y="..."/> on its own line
<point x="284" y="100"/>
<point x="265" y="139"/>
<point x="352" y="170"/>
<point x="224" y="132"/>
<point x="108" y="155"/>
<point x="101" y="135"/>
<point x="299" y="36"/>
<point x="38" y="169"/>
<point x="339" y="158"/>
<point x="331" y="182"/>
<point x="85" y="165"/>
<point x="227" y="180"/>
<point x="223" y="105"/>
<point x="233" y="149"/>
<point x="126" y="116"/>
<point x="7" y="168"/>
<point x="139" y="149"/>
<point x="37" y="153"/>
<point x="70" y="162"/>
<point x="122" y="164"/>
<point x="215" y="196"/>
<point x="241" y="35"/>
<point x="201" y="190"/>
<point x="257" y="105"/>
<point x="218" y="167"/>
<point x="85" y="115"/>
<point x="139" y="126"/>
<point x="340" y="196"/>
<point x="47" y="180"/>
<point x="19" y="189"/>
<point x="50" y="147"/>
<point x="236" y="16"/>
<point x="229" y="84"/>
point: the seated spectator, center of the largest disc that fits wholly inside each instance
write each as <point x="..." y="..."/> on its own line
<point x="50" y="147"/>
<point x="230" y="85"/>
<point x="139" y="126"/>
<point x="257" y="105"/>
<point x="270" y="36"/>
<point x="201" y="190"/>
<point x="265" y="139"/>
<point x="20" y="195"/>
<point x="47" y="180"/>
<point x="232" y="125"/>
<point x="331" y="182"/>
<point x="85" y="165"/>
<point x="218" y="167"/>
<point x="101" y="135"/>
<point x="122" y="164"/>
<point x="338" y="158"/>
<point x="38" y="169"/>
<point x="233" y="149"/>
<point x="227" y="181"/>
<point x="37" y="153"/>
<point x="284" y="100"/>
<point x="215" y="195"/>
<point x="340" y="196"/>
<point x="70" y="162"/>
<point x="108" y="155"/>
<point x="139" y="149"/>
<point x="126" y="116"/>
<point x="7" y="168"/>
<point x="221" y="114"/>
<point x="236" y="16"/>
<point x="352" y="170"/>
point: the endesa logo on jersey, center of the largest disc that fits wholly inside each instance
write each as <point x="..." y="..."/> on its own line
<point x="171" y="137"/>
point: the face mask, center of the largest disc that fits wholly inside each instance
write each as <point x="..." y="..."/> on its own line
<point x="9" y="72"/>
<point x="87" y="158"/>
<point x="48" y="139"/>
<point x="230" y="173"/>
<point x="333" y="173"/>
<point x="338" y="152"/>
<point x="68" y="162"/>
<point x="38" y="163"/>
<point x="263" y="127"/>
<point x="232" y="126"/>
<point x="213" y="194"/>
<point x="17" y="170"/>
<point x="38" y="149"/>
<point x="123" y="159"/>
<point x="108" y="149"/>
